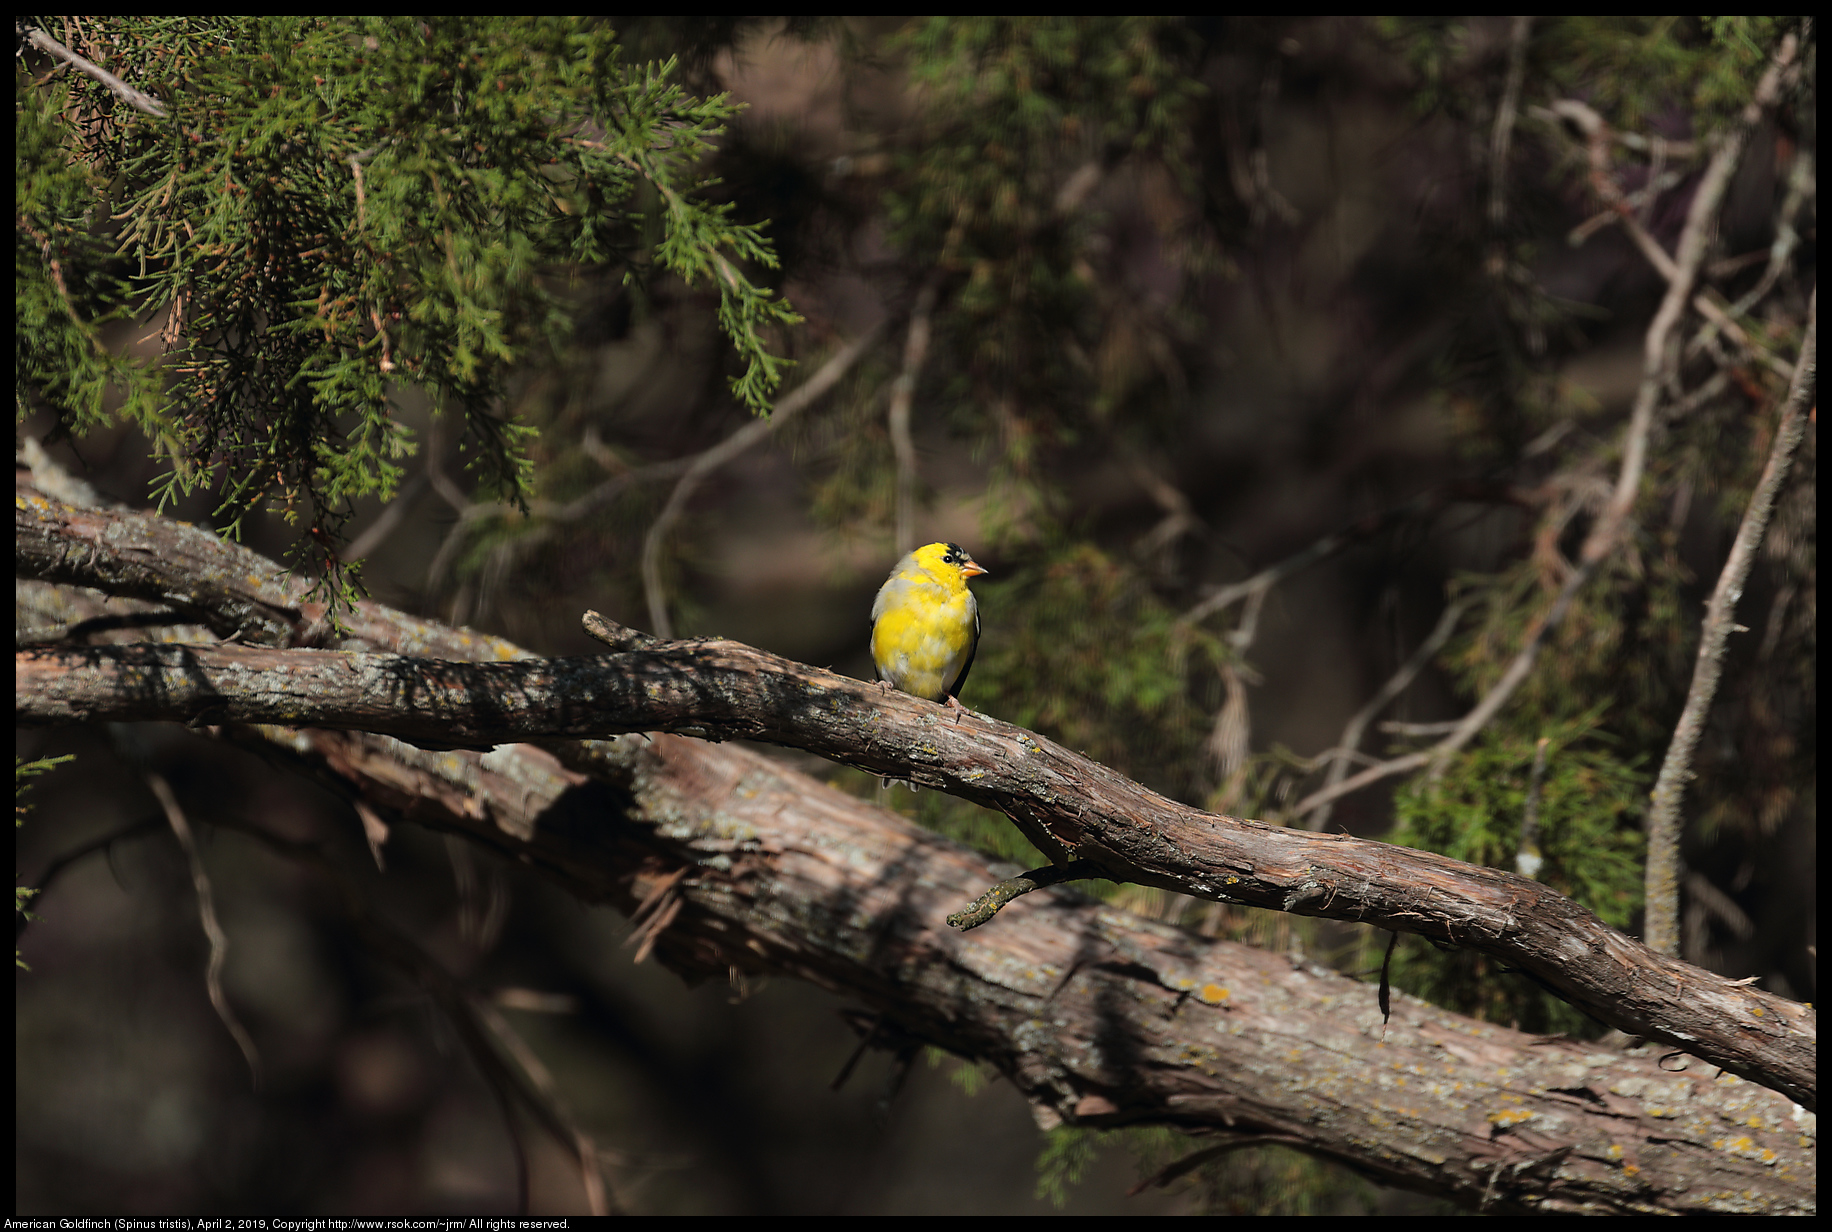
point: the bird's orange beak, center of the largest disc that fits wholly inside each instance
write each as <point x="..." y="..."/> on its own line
<point x="972" y="569"/>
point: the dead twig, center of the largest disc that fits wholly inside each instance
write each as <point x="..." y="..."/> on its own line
<point x="1320" y="550"/>
<point x="389" y="520"/>
<point x="1502" y="138"/>
<point x="1802" y="182"/>
<point x="213" y="929"/>
<point x="548" y="1107"/>
<point x="139" y="100"/>
<point x="1720" y="619"/>
<point x="1527" y="858"/>
<point x="1179" y="516"/>
<point x="903" y="395"/>
<point x="473" y="1019"/>
<point x="994" y="900"/>
<point x="51" y="871"/>
<point x="705" y="463"/>
<point x="1623" y="210"/>
<point x="1357" y="726"/>
<point x="1657" y="364"/>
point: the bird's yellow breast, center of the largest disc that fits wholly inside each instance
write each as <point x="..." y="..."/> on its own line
<point x="923" y="633"/>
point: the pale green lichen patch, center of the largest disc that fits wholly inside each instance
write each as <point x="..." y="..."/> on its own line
<point x="1745" y="1147"/>
<point x="699" y="827"/>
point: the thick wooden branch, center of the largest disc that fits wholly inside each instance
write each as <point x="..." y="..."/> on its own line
<point x="223" y="586"/>
<point x="1073" y="808"/>
<point x="1100" y="1018"/>
<point x="230" y="592"/>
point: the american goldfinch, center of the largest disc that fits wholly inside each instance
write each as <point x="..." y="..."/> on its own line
<point x="926" y="623"/>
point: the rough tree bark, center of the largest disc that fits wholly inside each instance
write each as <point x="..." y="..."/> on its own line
<point x="735" y="864"/>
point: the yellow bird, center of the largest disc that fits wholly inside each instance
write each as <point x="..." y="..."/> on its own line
<point x="926" y="623"/>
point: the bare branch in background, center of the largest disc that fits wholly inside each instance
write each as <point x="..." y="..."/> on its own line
<point x="468" y="511"/>
<point x="74" y="855"/>
<point x="1657" y="365"/>
<point x="1599" y="137"/>
<point x="1802" y="183"/>
<point x="213" y="929"/>
<point x="1527" y="857"/>
<point x="1322" y="549"/>
<point x="1663" y="825"/>
<point x="389" y="520"/>
<point x="1657" y="372"/>
<point x="1394" y="727"/>
<point x="1230" y="739"/>
<point x="1227" y="742"/>
<point x="705" y="463"/>
<point x="1179" y="517"/>
<point x="1357" y="726"/>
<point x="471" y="1017"/>
<point x="903" y="394"/>
<point x="137" y="99"/>
<point x="539" y="1091"/>
<point x="1249" y="166"/>
<point x="1705" y="901"/>
<point x="1502" y="139"/>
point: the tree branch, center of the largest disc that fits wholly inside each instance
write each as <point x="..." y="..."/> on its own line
<point x="704" y="464"/>
<point x="903" y="394"/>
<point x="1657" y="364"/>
<point x="1069" y="807"/>
<point x="139" y="100"/>
<point x="1720" y="617"/>
<point x="1098" y="1017"/>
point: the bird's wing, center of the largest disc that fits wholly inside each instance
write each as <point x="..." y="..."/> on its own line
<point x="954" y="690"/>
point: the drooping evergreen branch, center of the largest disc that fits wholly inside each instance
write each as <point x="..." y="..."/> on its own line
<point x="347" y="208"/>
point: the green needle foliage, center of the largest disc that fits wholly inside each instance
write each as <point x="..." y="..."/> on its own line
<point x="1055" y="666"/>
<point x="1589" y="807"/>
<point x="1066" y="1155"/>
<point x="1022" y="119"/>
<point x="337" y="211"/>
<point x="23" y="773"/>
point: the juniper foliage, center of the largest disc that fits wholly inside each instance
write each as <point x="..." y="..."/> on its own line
<point x="336" y="214"/>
